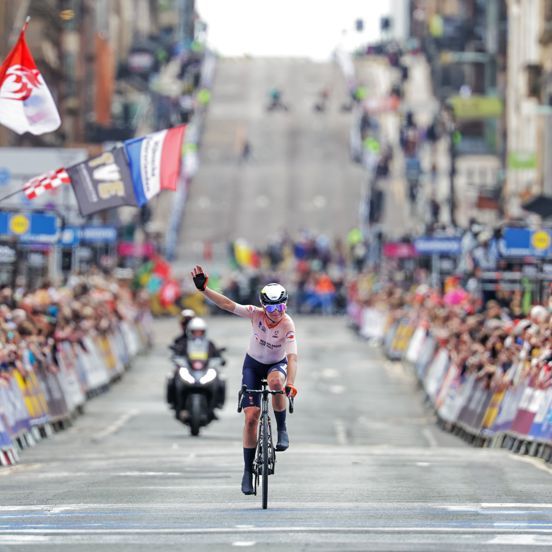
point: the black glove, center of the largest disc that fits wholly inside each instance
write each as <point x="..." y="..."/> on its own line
<point x="200" y="281"/>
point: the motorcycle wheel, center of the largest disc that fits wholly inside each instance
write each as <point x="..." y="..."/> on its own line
<point x="195" y="414"/>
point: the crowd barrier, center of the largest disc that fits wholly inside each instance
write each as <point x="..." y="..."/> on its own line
<point x="41" y="397"/>
<point x="517" y="416"/>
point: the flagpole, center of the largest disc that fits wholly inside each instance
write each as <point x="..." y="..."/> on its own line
<point x="11" y="194"/>
<point x="26" y="24"/>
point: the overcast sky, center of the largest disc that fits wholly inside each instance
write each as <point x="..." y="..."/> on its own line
<point x="306" y="28"/>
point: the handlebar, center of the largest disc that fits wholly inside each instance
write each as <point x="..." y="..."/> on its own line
<point x="244" y="389"/>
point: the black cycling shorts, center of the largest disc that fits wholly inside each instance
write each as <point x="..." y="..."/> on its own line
<point x="252" y="374"/>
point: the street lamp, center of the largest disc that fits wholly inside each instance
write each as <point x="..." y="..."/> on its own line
<point x="454" y="137"/>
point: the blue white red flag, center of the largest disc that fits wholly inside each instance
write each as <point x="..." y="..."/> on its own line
<point x="155" y="162"/>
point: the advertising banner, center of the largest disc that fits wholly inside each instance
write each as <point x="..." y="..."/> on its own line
<point x="102" y="182"/>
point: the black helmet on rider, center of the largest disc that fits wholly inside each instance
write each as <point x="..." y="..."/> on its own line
<point x="273" y="294"/>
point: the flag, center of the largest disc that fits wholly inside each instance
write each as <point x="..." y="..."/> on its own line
<point x="26" y="104"/>
<point x="45" y="182"/>
<point x="102" y="182"/>
<point x="155" y="162"/>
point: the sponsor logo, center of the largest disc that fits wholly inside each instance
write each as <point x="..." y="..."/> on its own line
<point x="265" y="343"/>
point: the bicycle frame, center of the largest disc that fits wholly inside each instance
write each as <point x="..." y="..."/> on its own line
<point x="265" y="454"/>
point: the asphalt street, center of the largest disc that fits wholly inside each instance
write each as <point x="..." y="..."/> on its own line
<point x="299" y="174"/>
<point x="367" y="468"/>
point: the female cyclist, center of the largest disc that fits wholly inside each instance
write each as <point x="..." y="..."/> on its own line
<point x="271" y="355"/>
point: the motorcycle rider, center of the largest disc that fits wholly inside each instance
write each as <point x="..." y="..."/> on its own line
<point x="179" y="343"/>
<point x="197" y="331"/>
<point x="194" y="333"/>
<point x="197" y="339"/>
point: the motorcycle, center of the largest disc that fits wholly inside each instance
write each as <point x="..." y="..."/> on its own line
<point x="198" y="386"/>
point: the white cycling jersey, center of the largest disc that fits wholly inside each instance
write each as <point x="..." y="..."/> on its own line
<point x="268" y="343"/>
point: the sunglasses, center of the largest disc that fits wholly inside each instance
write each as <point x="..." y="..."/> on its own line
<point x="281" y="307"/>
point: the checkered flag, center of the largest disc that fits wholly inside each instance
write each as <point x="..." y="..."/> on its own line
<point x="49" y="181"/>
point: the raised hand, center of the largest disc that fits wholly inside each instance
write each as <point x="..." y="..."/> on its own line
<point x="200" y="278"/>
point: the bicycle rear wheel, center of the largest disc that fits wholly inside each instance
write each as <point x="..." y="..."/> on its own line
<point x="265" y="455"/>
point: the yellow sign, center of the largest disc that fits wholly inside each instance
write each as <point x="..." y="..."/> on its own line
<point x="476" y="107"/>
<point x="19" y="224"/>
<point x="541" y="240"/>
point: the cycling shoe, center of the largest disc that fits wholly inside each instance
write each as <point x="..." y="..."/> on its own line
<point x="247" y="483"/>
<point x="283" y="440"/>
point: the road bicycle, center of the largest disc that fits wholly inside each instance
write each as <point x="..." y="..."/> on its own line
<point x="265" y="453"/>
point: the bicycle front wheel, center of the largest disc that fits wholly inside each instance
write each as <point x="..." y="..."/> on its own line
<point x="265" y="457"/>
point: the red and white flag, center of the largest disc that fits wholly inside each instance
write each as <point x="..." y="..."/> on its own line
<point x="48" y="181"/>
<point x="26" y="104"/>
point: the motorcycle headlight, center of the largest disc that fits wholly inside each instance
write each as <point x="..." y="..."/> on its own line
<point x="210" y="375"/>
<point x="184" y="373"/>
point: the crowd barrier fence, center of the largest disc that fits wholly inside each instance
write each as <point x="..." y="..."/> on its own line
<point x="45" y="396"/>
<point x="517" y="416"/>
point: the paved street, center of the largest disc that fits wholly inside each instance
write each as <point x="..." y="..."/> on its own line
<point x="299" y="175"/>
<point x="367" y="468"/>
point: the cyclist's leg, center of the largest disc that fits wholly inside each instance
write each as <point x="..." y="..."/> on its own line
<point x="252" y="374"/>
<point x="251" y="410"/>
<point x="276" y="378"/>
<point x="277" y="375"/>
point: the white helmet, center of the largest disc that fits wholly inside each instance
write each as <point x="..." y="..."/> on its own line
<point x="273" y="294"/>
<point x="196" y="325"/>
<point x="187" y="314"/>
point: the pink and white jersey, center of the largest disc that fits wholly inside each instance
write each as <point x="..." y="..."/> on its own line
<point x="268" y="345"/>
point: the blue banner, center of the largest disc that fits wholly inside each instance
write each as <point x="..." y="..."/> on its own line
<point x="523" y="242"/>
<point x="73" y="235"/>
<point x="430" y="245"/>
<point x="30" y="227"/>
<point x="98" y="234"/>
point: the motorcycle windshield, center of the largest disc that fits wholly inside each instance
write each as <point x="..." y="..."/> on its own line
<point x="198" y="349"/>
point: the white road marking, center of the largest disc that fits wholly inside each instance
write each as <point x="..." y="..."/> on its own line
<point x="22" y="539"/>
<point x="116" y="425"/>
<point x="516" y="505"/>
<point x="329" y="373"/>
<point x="244" y="543"/>
<point x="468" y="506"/>
<point x="423" y="464"/>
<point x="340" y="432"/>
<point x="536" y="540"/>
<point x="427" y="433"/>
<point x="147" y="473"/>
<point x="521" y="529"/>
<point x="336" y="389"/>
